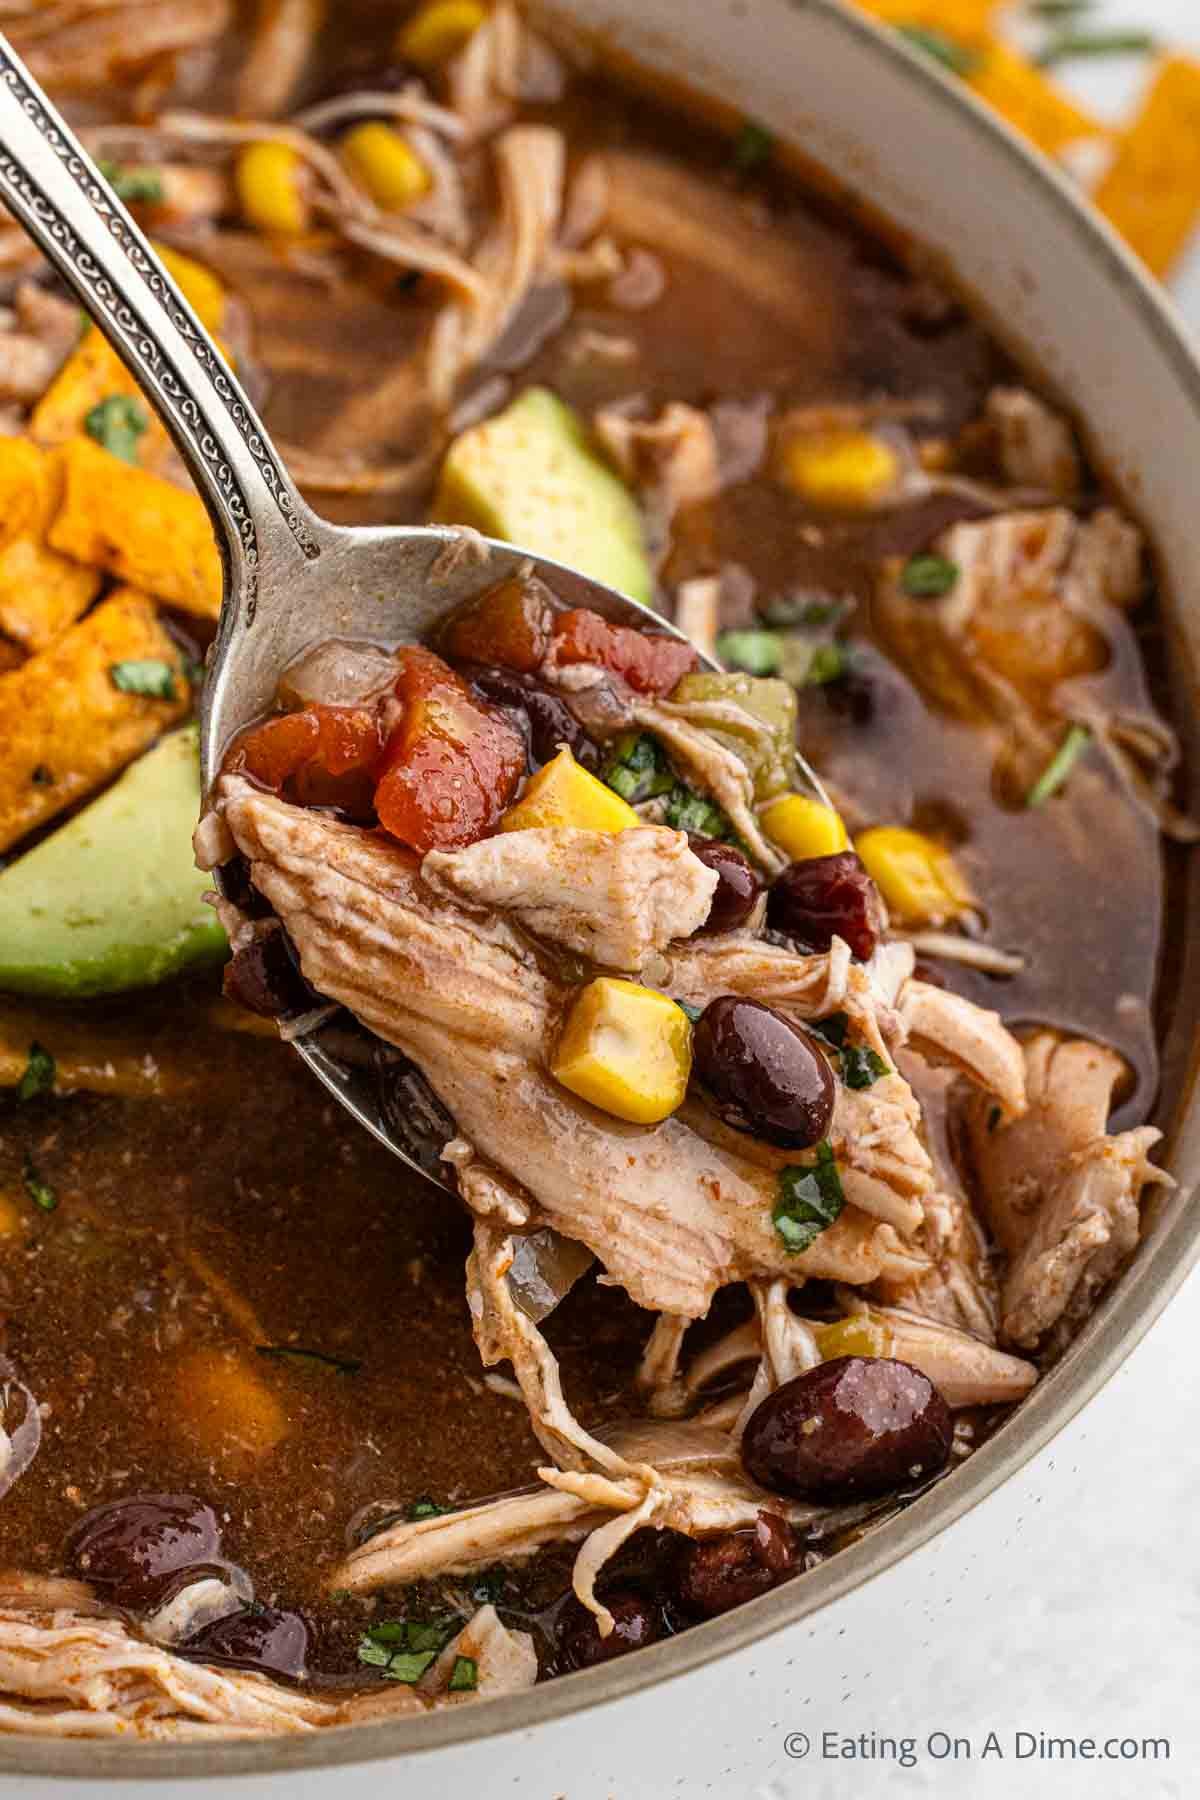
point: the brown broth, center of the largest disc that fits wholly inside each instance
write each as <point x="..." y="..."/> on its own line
<point x="244" y="1208"/>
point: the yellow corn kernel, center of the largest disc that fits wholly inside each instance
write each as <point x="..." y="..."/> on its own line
<point x="201" y="288"/>
<point x="439" y="32"/>
<point x="857" y="1335"/>
<point x="627" y="1049"/>
<point x="390" y="170"/>
<point x="564" y="794"/>
<point x="270" y="185"/>
<point x="11" y="1216"/>
<point x="850" y="470"/>
<point x="803" y="827"/>
<point x="919" y="879"/>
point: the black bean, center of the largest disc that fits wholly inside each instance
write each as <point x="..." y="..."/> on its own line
<point x="738" y="885"/>
<point x="825" y="897"/>
<point x="134" y="1551"/>
<point x="849" y="1429"/>
<point x="260" y="1638"/>
<point x="548" y="720"/>
<point x="264" y="976"/>
<point x="764" y="1074"/>
<point x="718" y="1573"/>
<point x="636" y="1625"/>
<point x="239" y="890"/>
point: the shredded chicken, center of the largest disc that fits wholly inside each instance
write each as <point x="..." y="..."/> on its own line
<point x="1036" y="445"/>
<point x="672" y="459"/>
<point x="75" y="49"/>
<point x="672" y="1215"/>
<point x="285" y="33"/>
<point x="949" y="1031"/>
<point x="615" y="899"/>
<point x="1060" y="1195"/>
<point x="718" y="771"/>
<point x="966" y="1370"/>
<point x="504" y="61"/>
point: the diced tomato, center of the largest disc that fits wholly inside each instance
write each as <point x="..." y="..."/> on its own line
<point x="651" y="665"/>
<point x="509" y="625"/>
<point x="322" y="756"/>
<point x="451" y="765"/>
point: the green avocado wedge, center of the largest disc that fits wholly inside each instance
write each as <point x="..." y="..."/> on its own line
<point x="530" y="476"/>
<point x="112" y="899"/>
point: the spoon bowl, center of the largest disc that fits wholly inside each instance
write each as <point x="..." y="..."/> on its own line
<point x="291" y="580"/>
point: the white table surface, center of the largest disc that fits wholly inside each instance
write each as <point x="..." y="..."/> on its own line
<point x="1066" y="1606"/>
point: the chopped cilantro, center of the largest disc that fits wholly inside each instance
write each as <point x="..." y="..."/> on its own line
<point x="753" y="145"/>
<point x="638" y="768"/>
<point x="810" y="1199"/>
<point x="829" y="662"/>
<point x="145" y="675"/>
<point x="1071" y="44"/>
<point x="402" y="1649"/>
<point x="1059" y="767"/>
<point x="691" y="1012"/>
<point x="117" y="423"/>
<point x="806" y="610"/>
<point x="832" y="1029"/>
<point x="133" y="185"/>
<point x="344" y="1365"/>
<point x="928" y="577"/>
<point x="862" y="1066"/>
<point x="754" y="652"/>
<point x="39" y="1191"/>
<point x="689" y="811"/>
<point x="941" y="48"/>
<point x="464" y="1676"/>
<point x="425" y="1508"/>
<point x="39" y="1073"/>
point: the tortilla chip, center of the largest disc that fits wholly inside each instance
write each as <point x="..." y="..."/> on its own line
<point x="960" y="19"/>
<point x="91" y="374"/>
<point x="42" y="593"/>
<point x="142" y="529"/>
<point x="1151" y="192"/>
<point x="65" y="727"/>
<point x="1030" y="103"/>
<point x="30" y="484"/>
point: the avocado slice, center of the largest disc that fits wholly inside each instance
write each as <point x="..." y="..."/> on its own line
<point x="530" y="476"/>
<point x="112" y="899"/>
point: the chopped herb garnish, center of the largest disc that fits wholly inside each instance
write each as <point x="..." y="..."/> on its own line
<point x="117" y="423"/>
<point x="829" y="662"/>
<point x="39" y="1191"/>
<point x="39" y="1073"/>
<point x="145" y="675"/>
<point x="133" y="185"/>
<point x="638" y="768"/>
<point x="85" y="325"/>
<point x="193" y="671"/>
<point x="832" y="1029"/>
<point x="928" y="577"/>
<point x="689" y="811"/>
<point x="810" y="1199"/>
<point x="690" y="1011"/>
<point x="425" y="1508"/>
<point x="1071" y="44"/>
<point x="339" y="1596"/>
<point x="754" y="652"/>
<point x="464" y="1676"/>
<point x="402" y="1649"/>
<point x="1059" y="9"/>
<point x="344" y="1365"/>
<point x="802" y="609"/>
<point x="1059" y="768"/>
<point x="940" y="48"/>
<point x="753" y="145"/>
<point x="861" y="1066"/>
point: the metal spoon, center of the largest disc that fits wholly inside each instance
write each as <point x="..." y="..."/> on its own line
<point x="292" y="579"/>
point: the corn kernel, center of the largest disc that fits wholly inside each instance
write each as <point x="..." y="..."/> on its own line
<point x="626" y="1049"/>
<point x="390" y="170"/>
<point x="857" y="1335"/>
<point x="439" y="32"/>
<point x="563" y="794"/>
<point x="919" y="879"/>
<point x="803" y="827"/>
<point x="270" y="186"/>
<point x="849" y="470"/>
<point x="199" y="286"/>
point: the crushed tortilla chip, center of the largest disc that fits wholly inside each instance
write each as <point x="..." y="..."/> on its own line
<point x="964" y="20"/>
<point x="1151" y="192"/>
<point x="138" y="527"/>
<point x="30" y="484"/>
<point x="41" y="593"/>
<point x="66" y="728"/>
<point x="91" y="374"/>
<point x="1030" y="102"/>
